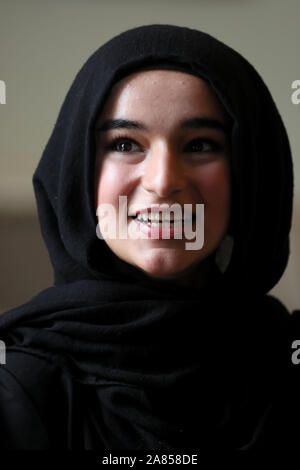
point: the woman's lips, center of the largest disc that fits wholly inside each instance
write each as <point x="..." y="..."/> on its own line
<point x="160" y="232"/>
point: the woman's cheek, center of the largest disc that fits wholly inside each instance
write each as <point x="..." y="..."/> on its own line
<point x="214" y="183"/>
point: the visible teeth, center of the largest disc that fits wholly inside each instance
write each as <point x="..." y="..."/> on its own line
<point x="157" y="220"/>
<point x="157" y="217"/>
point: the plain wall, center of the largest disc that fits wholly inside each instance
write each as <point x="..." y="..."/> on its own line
<point x="42" y="46"/>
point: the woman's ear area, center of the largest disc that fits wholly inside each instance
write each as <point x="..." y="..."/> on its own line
<point x="96" y="133"/>
<point x="97" y="164"/>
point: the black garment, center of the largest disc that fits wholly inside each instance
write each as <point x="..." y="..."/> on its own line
<point x="110" y="359"/>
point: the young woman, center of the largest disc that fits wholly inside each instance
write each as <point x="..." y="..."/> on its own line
<point x="147" y="341"/>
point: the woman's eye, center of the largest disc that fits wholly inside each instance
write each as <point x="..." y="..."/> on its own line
<point x="204" y="145"/>
<point x="121" y="144"/>
<point x="127" y="145"/>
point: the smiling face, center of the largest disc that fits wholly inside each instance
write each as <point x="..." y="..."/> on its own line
<point x="162" y="161"/>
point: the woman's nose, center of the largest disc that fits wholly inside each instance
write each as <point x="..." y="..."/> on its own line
<point x="163" y="172"/>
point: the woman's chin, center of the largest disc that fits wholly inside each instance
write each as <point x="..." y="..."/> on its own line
<point x="201" y="272"/>
<point x="165" y="268"/>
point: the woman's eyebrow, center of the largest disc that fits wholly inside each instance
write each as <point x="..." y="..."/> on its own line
<point x="192" y="123"/>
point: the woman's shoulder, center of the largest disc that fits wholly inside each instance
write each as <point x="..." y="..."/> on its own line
<point x="28" y="364"/>
<point x="31" y="399"/>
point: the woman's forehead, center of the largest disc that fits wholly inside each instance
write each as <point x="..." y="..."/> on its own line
<point x="174" y="91"/>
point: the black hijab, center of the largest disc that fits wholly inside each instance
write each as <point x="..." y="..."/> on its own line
<point x="163" y="359"/>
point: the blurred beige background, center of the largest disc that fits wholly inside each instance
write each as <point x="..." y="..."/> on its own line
<point x="42" y="46"/>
